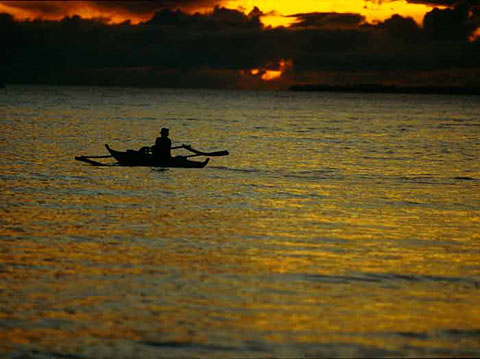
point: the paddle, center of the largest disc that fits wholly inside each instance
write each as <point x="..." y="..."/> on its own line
<point x="209" y="154"/>
<point x="200" y="153"/>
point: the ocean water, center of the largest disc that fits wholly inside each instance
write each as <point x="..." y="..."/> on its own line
<point x="340" y="225"/>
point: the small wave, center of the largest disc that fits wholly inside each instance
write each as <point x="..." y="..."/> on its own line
<point x="413" y="335"/>
<point x="389" y="277"/>
<point x="447" y="333"/>
<point x="461" y="119"/>
<point x="460" y="332"/>
<point x="342" y="349"/>
<point x="325" y="173"/>
<point x="386" y="158"/>
<point x="308" y="349"/>
<point x="416" y="278"/>
<point x="453" y="125"/>
<point x="188" y="345"/>
<point x="427" y="179"/>
<point x="383" y="277"/>
<point x="290" y="195"/>
<point x="419" y="179"/>
<point x="38" y="354"/>
<point x="141" y="105"/>
<point x="336" y="278"/>
<point x="461" y="178"/>
<point x="242" y="170"/>
<point x="180" y="119"/>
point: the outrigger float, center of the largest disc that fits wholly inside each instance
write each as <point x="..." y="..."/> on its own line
<point x="145" y="158"/>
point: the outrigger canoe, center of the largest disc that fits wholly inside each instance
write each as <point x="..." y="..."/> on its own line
<point x="144" y="157"/>
<point x="138" y="158"/>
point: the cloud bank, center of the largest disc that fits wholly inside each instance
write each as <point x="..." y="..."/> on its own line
<point x="221" y="48"/>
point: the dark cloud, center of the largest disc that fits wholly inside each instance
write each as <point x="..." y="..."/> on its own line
<point x="42" y="8"/>
<point x="220" y="19"/>
<point x="398" y="27"/>
<point x="328" y="20"/>
<point x="178" y="49"/>
<point x="138" y="7"/>
<point x="451" y="24"/>
<point x="222" y="39"/>
<point x="150" y="6"/>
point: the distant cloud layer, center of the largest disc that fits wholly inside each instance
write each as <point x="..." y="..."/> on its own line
<point x="117" y="11"/>
<point x="221" y="48"/>
<point x="328" y="20"/>
<point x="135" y="6"/>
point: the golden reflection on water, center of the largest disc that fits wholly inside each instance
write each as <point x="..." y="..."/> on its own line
<point x="97" y="286"/>
<point x="328" y="245"/>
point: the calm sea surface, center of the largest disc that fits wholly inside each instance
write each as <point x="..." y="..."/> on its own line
<point x="340" y="225"/>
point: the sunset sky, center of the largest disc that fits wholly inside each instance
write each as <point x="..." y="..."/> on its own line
<point x="276" y="12"/>
<point x="241" y="43"/>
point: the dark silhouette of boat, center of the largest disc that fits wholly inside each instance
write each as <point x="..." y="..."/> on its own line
<point x="139" y="158"/>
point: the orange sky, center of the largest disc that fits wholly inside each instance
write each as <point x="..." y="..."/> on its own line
<point x="372" y="10"/>
<point x="85" y="9"/>
<point x="276" y="10"/>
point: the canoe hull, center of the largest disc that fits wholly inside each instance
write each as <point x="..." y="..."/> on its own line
<point x="137" y="158"/>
